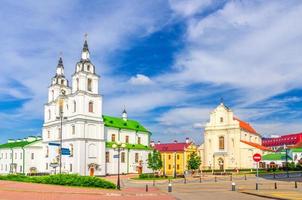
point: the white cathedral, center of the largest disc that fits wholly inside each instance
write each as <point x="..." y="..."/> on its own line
<point x="88" y="137"/>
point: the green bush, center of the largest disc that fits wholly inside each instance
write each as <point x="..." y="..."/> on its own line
<point x="63" y="179"/>
<point x="143" y="176"/>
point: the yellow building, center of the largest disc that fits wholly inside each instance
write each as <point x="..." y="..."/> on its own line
<point x="175" y="156"/>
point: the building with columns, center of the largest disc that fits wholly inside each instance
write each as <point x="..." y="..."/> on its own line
<point x="229" y="143"/>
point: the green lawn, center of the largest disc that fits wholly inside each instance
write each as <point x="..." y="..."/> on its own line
<point x="62" y="179"/>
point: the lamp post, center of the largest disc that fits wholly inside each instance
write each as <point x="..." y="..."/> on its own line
<point x="61" y="108"/>
<point x="286" y="160"/>
<point x="118" y="146"/>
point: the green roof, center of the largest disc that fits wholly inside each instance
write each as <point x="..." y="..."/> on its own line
<point x="16" y="144"/>
<point x="116" y="122"/>
<point x="296" y="150"/>
<point x="130" y="146"/>
<point x="275" y="156"/>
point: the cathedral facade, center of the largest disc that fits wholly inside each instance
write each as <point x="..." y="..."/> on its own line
<point x="229" y="143"/>
<point x="73" y="117"/>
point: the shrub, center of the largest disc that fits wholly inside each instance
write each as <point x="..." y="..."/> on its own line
<point x="143" y="176"/>
<point x="63" y="179"/>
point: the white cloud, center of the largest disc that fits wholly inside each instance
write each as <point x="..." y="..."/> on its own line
<point x="188" y="7"/>
<point x="185" y="116"/>
<point x="139" y="102"/>
<point x="35" y="34"/>
<point x="140" y="79"/>
<point x="250" y="46"/>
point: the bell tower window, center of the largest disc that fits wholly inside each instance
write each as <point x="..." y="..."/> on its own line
<point x="49" y="114"/>
<point x="89" y="86"/>
<point x="90" y="107"/>
<point x="52" y="95"/>
<point x="77" y="83"/>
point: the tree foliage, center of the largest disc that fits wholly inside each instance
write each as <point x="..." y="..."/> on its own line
<point x="154" y="160"/>
<point x="194" y="161"/>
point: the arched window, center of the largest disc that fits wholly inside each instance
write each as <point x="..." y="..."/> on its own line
<point x="113" y="138"/>
<point x="47" y="152"/>
<point x="221" y="143"/>
<point x="90" y="106"/>
<point x="221" y="119"/>
<point x="139" y="140"/>
<point x="52" y="95"/>
<point x="74" y="106"/>
<point x="71" y="150"/>
<point x="48" y="134"/>
<point x="77" y="83"/>
<point x="73" y="129"/>
<point x="88" y="68"/>
<point x="89" y="85"/>
<point x="49" y="114"/>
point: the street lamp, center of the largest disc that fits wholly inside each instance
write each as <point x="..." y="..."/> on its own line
<point x="118" y="146"/>
<point x="61" y="104"/>
<point x="286" y="160"/>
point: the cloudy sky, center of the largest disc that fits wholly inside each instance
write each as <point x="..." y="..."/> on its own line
<point x="168" y="61"/>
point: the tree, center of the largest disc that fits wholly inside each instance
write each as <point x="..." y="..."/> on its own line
<point x="154" y="161"/>
<point x="194" y="161"/>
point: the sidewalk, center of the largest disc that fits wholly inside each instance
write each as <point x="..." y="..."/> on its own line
<point x="283" y="195"/>
<point x="10" y="190"/>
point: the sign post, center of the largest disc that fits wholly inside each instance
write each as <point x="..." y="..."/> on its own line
<point x="257" y="158"/>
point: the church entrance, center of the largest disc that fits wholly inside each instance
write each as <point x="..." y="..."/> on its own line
<point x="91" y="171"/>
<point x="221" y="164"/>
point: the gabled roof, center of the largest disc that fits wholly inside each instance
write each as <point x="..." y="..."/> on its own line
<point x="276" y="156"/>
<point x="116" y="122"/>
<point x="246" y="126"/>
<point x="258" y="146"/>
<point x="172" y="146"/>
<point x="16" y="144"/>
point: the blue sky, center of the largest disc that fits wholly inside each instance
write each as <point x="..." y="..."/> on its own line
<point x="168" y="61"/>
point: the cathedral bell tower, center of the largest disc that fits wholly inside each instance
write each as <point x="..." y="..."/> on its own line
<point x="58" y="83"/>
<point x="85" y="79"/>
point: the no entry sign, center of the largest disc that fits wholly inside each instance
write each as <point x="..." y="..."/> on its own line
<point x="256" y="157"/>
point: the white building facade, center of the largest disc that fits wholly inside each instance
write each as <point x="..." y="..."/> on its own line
<point x="21" y="156"/>
<point x="229" y="143"/>
<point x="73" y="118"/>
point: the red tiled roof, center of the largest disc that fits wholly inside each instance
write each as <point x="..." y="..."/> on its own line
<point x="298" y="145"/>
<point x="258" y="146"/>
<point x="171" y="146"/>
<point x="246" y="126"/>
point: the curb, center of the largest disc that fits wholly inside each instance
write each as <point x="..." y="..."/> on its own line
<point x="264" y="196"/>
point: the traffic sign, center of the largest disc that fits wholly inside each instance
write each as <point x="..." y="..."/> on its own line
<point x="256" y="157"/>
